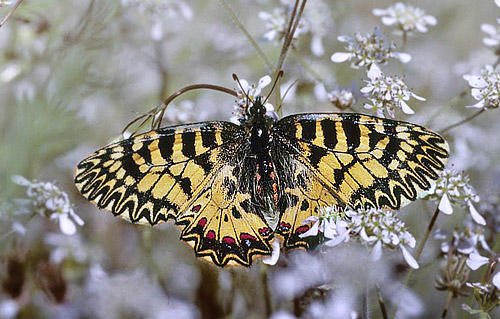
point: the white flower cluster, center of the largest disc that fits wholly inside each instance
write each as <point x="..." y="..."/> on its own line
<point x="485" y="87"/>
<point x="377" y="227"/>
<point x="387" y="93"/>
<point x="316" y="20"/>
<point x="341" y="98"/>
<point x="453" y="187"/>
<point x="48" y="200"/>
<point x="246" y="96"/>
<point x="381" y="228"/>
<point x="332" y="225"/>
<point x="366" y="50"/>
<point x="159" y="11"/>
<point x="493" y="39"/>
<point x="468" y="240"/>
<point x="405" y="17"/>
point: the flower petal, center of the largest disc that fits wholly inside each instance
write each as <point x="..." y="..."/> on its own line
<point x="496" y="280"/>
<point x="377" y="251"/>
<point x="339" y="57"/>
<point x="475" y="214"/>
<point x="403" y="57"/>
<point x="264" y="81"/>
<point x="410" y="260"/>
<point x="275" y="255"/>
<point x="66" y="225"/>
<point x="20" y="180"/>
<point x="475" y="261"/>
<point x="406" y="108"/>
<point x="374" y="72"/>
<point x="445" y="205"/>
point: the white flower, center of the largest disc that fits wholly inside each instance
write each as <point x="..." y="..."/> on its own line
<point x="405" y="17"/>
<point x="485" y="87"/>
<point x="493" y="32"/>
<point x="329" y="224"/>
<point x="454" y="188"/>
<point x="341" y="98"/>
<point x="475" y="261"/>
<point x="380" y="228"/>
<point x="316" y="20"/>
<point x="387" y="93"/>
<point x="48" y="200"/>
<point x="367" y="50"/>
<point x="275" y="23"/>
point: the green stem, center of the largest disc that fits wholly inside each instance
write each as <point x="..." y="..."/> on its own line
<point x="306" y="66"/>
<point x="447" y="305"/>
<point x="249" y="37"/>
<point x="463" y="121"/>
<point x="419" y="252"/>
<point x="267" y="291"/>
<point x="381" y="302"/>
<point x="443" y="108"/>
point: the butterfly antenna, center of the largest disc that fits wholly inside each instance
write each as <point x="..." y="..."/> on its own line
<point x="248" y="99"/>
<point x="280" y="74"/>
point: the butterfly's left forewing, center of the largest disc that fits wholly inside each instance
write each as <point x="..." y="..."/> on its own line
<point x="186" y="173"/>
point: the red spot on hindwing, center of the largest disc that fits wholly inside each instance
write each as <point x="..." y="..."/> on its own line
<point x="265" y="231"/>
<point x="245" y="236"/>
<point x="302" y="229"/>
<point x="210" y="235"/>
<point x="285" y="227"/>
<point x="202" y="222"/>
<point x="229" y="240"/>
<point x="196" y="208"/>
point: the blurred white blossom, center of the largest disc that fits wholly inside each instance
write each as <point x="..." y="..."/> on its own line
<point x="370" y="49"/>
<point x="453" y="187"/>
<point x="485" y="87"/>
<point x="275" y="255"/>
<point x="387" y="93"/>
<point x="5" y="3"/>
<point x="8" y="309"/>
<point x="316" y="20"/>
<point x="465" y="241"/>
<point x="341" y="98"/>
<point x="381" y="228"/>
<point x="178" y="113"/>
<point x="160" y="11"/>
<point x="493" y="33"/>
<point x="48" y="200"/>
<point x="405" y="17"/>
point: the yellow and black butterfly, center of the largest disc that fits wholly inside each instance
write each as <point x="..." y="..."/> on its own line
<point x="232" y="188"/>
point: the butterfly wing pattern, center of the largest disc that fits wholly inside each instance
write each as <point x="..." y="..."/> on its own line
<point x="205" y="176"/>
<point x="186" y="173"/>
<point x="354" y="160"/>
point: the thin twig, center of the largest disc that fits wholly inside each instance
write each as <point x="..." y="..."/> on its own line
<point x="289" y="36"/>
<point x="249" y="37"/>
<point x="381" y="302"/>
<point x="419" y="252"/>
<point x="463" y="121"/>
<point x="10" y="13"/>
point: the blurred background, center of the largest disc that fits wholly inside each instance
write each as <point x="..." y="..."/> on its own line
<point x="73" y="74"/>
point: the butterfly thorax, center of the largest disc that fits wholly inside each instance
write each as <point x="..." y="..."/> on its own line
<point x="265" y="187"/>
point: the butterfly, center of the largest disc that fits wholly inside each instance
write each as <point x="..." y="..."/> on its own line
<point x="232" y="188"/>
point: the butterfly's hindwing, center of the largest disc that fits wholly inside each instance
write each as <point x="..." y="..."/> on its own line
<point x="365" y="161"/>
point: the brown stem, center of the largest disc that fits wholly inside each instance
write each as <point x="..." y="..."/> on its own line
<point x="157" y="124"/>
<point x="381" y="302"/>
<point x="463" y="121"/>
<point x="292" y="27"/>
<point x="10" y="13"/>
